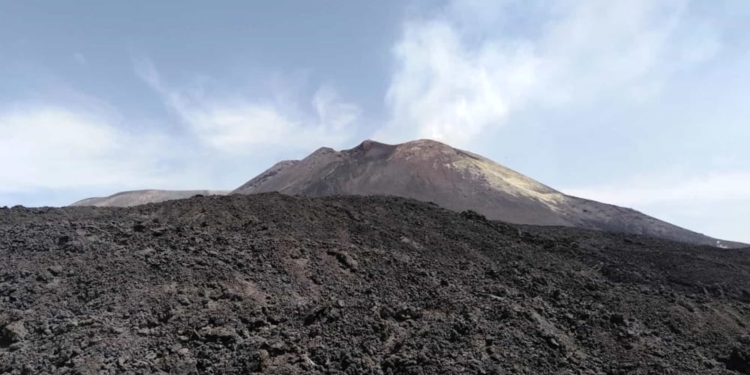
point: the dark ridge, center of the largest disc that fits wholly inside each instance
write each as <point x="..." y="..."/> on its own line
<point x="277" y="284"/>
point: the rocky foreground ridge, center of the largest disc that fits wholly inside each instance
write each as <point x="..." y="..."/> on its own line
<point x="277" y="284"/>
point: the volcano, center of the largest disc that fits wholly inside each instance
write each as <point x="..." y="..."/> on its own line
<point x="459" y="180"/>
<point x="431" y="171"/>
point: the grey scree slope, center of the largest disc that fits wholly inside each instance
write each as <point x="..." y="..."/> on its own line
<point x="139" y="197"/>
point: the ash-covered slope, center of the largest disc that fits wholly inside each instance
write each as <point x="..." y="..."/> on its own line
<point x="458" y="180"/>
<point x="138" y="197"/>
<point x="276" y="284"/>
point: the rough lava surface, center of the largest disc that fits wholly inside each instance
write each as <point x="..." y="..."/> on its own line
<point x="459" y="180"/>
<point x="276" y="284"/>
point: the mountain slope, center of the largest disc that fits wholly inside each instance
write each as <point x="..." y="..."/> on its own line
<point x="138" y="197"/>
<point x="458" y="180"/>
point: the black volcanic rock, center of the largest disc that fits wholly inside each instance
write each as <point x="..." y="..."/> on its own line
<point x="276" y="284"/>
<point x="458" y="180"/>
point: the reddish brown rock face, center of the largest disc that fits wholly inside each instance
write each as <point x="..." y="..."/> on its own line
<point x="455" y="179"/>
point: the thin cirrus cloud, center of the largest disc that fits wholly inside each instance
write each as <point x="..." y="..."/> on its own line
<point x="715" y="203"/>
<point x="53" y="147"/>
<point x="90" y="147"/>
<point x="648" y="191"/>
<point x="235" y="124"/>
<point x="455" y="77"/>
<point x="80" y="58"/>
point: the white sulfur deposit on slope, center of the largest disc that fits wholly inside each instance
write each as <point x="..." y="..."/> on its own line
<point x="509" y="181"/>
<point x="497" y="176"/>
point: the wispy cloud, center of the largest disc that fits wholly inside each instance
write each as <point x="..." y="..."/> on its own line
<point x="81" y="143"/>
<point x="49" y="147"/>
<point x="679" y="190"/>
<point x="233" y="123"/>
<point x="80" y="58"/>
<point x="455" y="76"/>
<point x="714" y="203"/>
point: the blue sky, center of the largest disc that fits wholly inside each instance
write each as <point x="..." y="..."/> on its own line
<point x="640" y="103"/>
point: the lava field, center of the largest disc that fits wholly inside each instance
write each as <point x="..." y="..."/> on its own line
<point x="277" y="284"/>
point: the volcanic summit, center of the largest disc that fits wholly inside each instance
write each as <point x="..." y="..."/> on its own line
<point x="459" y="180"/>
